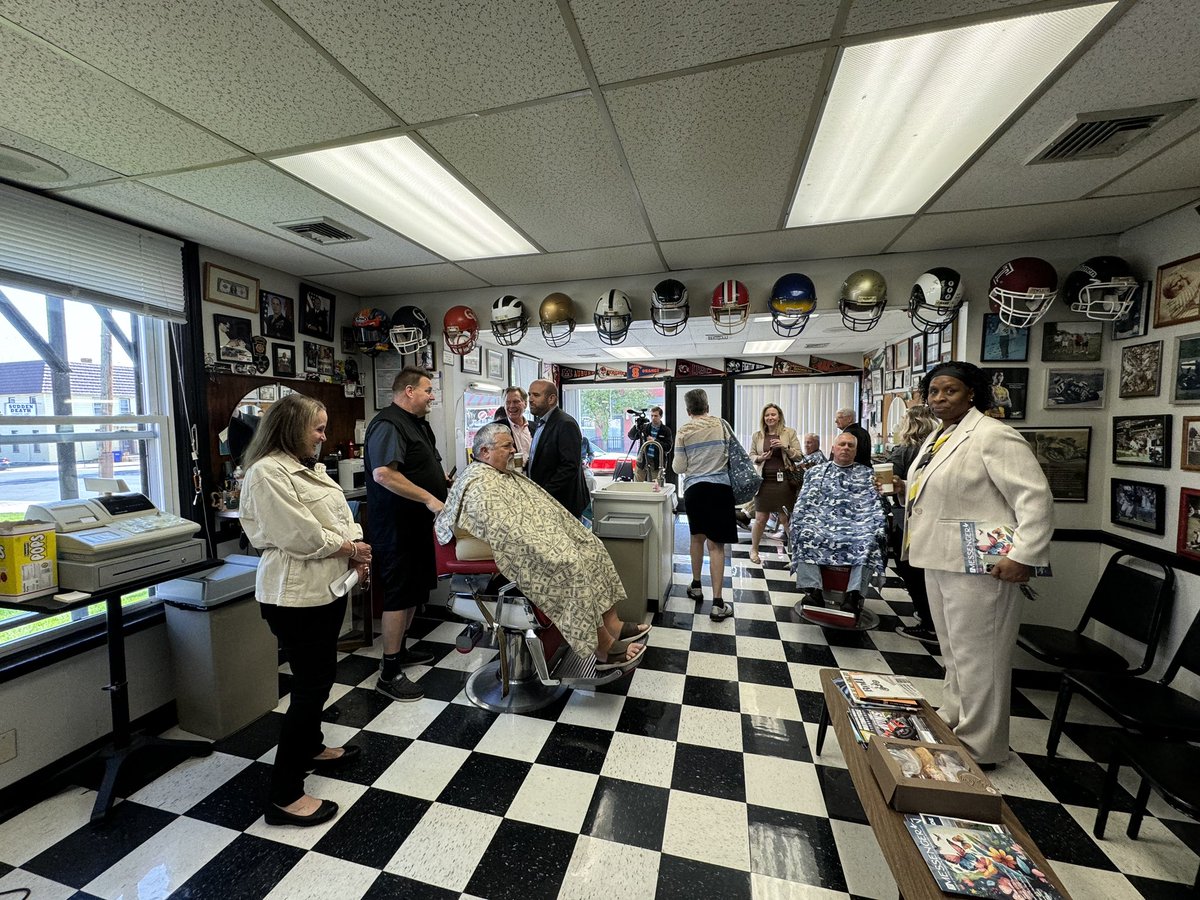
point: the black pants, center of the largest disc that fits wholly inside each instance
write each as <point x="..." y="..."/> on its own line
<point x="914" y="580"/>
<point x="308" y="637"/>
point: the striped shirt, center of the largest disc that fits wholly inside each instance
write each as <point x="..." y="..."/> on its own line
<point x="700" y="451"/>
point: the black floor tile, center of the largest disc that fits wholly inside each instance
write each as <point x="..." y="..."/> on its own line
<point x="714" y="643"/>
<point x="812" y="705"/>
<point x="485" y="783"/>
<point x="285" y="684"/>
<point x="841" y="799"/>
<point x="651" y="718"/>
<point x="1022" y="706"/>
<point x="769" y="736"/>
<point x="1153" y="889"/>
<point x="748" y="595"/>
<point x="711" y="693"/>
<point x="837" y="637"/>
<point x="1188" y="832"/>
<point x="523" y="862"/>
<point x="1058" y="835"/>
<point x="443" y="684"/>
<point x="438" y="650"/>
<point x="391" y="887"/>
<point x="1075" y="782"/>
<point x="379" y="751"/>
<point x="459" y="726"/>
<point x="688" y="879"/>
<point x="663" y="659"/>
<point x="809" y="654"/>
<point x="627" y="813"/>
<point x="247" y="869"/>
<point x="709" y="771"/>
<point x="356" y="669"/>
<point x="238" y="803"/>
<point x="764" y="671"/>
<point x="1096" y="741"/>
<point x="356" y="708"/>
<point x="918" y="664"/>
<point x="255" y="739"/>
<point x="801" y="848"/>
<point x="680" y="620"/>
<point x="755" y="628"/>
<point x="372" y="829"/>
<point x="576" y="747"/>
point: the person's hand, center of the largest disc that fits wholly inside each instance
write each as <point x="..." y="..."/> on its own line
<point x="773" y="443"/>
<point x="434" y="505"/>
<point x="1011" y="571"/>
<point x="363" y="569"/>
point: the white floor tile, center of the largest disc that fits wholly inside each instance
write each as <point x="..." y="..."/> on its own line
<point x="831" y="751"/>
<point x="163" y="862"/>
<point x="554" y="797"/>
<point x="334" y="736"/>
<point x="407" y="719"/>
<point x="1081" y="711"/>
<point x="602" y="870"/>
<point x="468" y="662"/>
<point x="805" y="677"/>
<point x="710" y="728"/>
<point x="701" y="828"/>
<point x="652" y="684"/>
<point x="190" y="782"/>
<point x="1029" y="736"/>
<point x="670" y="638"/>
<point x="768" y="700"/>
<point x="423" y="770"/>
<point x="27" y="834"/>
<point x="1157" y="852"/>
<point x="802" y="633"/>
<point x="1016" y="779"/>
<point x="343" y="793"/>
<point x="763" y="612"/>
<point x="760" y="648"/>
<point x="764" y="887"/>
<point x="516" y="737"/>
<point x="712" y="665"/>
<point x="641" y="759"/>
<point x="445" y="846"/>
<point x="593" y="710"/>
<point x="1092" y="884"/>
<point x="860" y="660"/>
<point x="318" y="877"/>
<point x="783" y="784"/>
<point x="40" y="888"/>
<point x="867" y="873"/>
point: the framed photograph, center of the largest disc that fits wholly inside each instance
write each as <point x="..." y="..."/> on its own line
<point x="472" y="362"/>
<point x="1142" y="441"/>
<point x="1010" y="393"/>
<point x="876" y="382"/>
<point x="312" y="355"/>
<point x="1186" y="386"/>
<point x="918" y="353"/>
<point x="316" y="312"/>
<point x="230" y="288"/>
<point x="276" y="316"/>
<point x="426" y="357"/>
<point x="235" y="339"/>
<point x="387" y="367"/>
<point x="1141" y="370"/>
<point x="932" y="349"/>
<point x="1072" y="341"/>
<point x="889" y="356"/>
<point x="1136" y="321"/>
<point x="1075" y="388"/>
<point x="1189" y="455"/>
<point x="1002" y="343"/>
<point x="283" y="359"/>
<point x="324" y="360"/>
<point x="1138" y="504"/>
<point x="1062" y="454"/>
<point x="495" y="364"/>
<point x="1177" y="292"/>
<point x="902" y="355"/>
<point x="348" y="347"/>
<point x="1189" y="523"/>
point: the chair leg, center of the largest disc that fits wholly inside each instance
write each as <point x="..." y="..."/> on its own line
<point x="1106" y="797"/>
<point x="822" y="727"/>
<point x="1059" y="718"/>
<point x="1139" y="809"/>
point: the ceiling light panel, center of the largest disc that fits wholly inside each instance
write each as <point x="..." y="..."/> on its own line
<point x="903" y="115"/>
<point x="763" y="347"/>
<point x="634" y="352"/>
<point x="397" y="183"/>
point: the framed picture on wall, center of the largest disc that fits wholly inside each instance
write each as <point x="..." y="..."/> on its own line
<point x="1072" y="341"/>
<point x="918" y="353"/>
<point x="471" y="362"/>
<point x="230" y="288"/>
<point x="1141" y="370"/>
<point x="902" y="355"/>
<point x="1142" y="441"/>
<point x="1186" y="385"/>
<point x="387" y="366"/>
<point x="1188" y="543"/>
<point x="495" y="364"/>
<point x="276" y="316"/>
<point x="1001" y="342"/>
<point x="1138" y="504"/>
<point x="1177" y="292"/>
<point x="1136" y="321"/>
<point x="1062" y="454"/>
<point x="1189" y="456"/>
<point x="1075" y="388"/>
<point x="312" y="354"/>
<point x="316" y="312"/>
<point x="932" y="349"/>
<point x="283" y="359"/>
<point x="234" y="338"/>
<point x="1010" y="392"/>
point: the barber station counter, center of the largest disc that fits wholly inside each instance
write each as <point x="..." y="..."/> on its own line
<point x="641" y="499"/>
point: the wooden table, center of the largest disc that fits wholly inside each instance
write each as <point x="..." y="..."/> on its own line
<point x="908" y="867"/>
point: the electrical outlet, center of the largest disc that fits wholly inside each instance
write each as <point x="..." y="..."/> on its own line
<point x="8" y="745"/>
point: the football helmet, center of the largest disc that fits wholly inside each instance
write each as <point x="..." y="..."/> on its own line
<point x="460" y="328"/>
<point x="613" y="317"/>
<point x="370" y="331"/>
<point x="669" y="307"/>
<point x="1101" y="288"/>
<point x="936" y="299"/>
<point x="730" y="306"/>
<point x="863" y="297"/>
<point x="556" y="320"/>
<point x="1023" y="290"/>
<point x="509" y="320"/>
<point x="410" y="329"/>
<point x="793" y="299"/>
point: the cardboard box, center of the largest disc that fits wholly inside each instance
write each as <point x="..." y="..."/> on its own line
<point x="972" y="797"/>
<point x="28" y="560"/>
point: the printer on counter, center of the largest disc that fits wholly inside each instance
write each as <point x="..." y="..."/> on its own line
<point x="352" y="474"/>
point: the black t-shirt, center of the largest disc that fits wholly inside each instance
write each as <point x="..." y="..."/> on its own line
<point x="398" y="439"/>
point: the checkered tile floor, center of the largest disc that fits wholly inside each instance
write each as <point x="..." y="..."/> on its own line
<point x="693" y="778"/>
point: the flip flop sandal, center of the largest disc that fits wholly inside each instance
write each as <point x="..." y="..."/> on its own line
<point x="618" y="660"/>
<point x="755" y="559"/>
<point x="634" y="630"/>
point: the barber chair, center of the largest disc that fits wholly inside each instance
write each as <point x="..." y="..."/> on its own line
<point x="833" y="582"/>
<point x="536" y="666"/>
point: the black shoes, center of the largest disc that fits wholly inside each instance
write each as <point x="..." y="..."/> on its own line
<point x="415" y="658"/>
<point x="852" y="602"/>
<point x="917" y="633"/>
<point x="273" y="815"/>
<point x="399" y="688"/>
<point x="325" y="766"/>
<point x="814" y="597"/>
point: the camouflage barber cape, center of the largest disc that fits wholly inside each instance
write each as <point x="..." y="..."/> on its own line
<point x="838" y="518"/>
<point x="558" y="564"/>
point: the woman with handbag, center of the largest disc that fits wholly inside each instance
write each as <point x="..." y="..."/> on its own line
<point x="774" y="449"/>
<point x="702" y="457"/>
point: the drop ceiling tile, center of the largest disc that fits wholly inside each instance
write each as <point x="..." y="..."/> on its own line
<point x="242" y="70"/>
<point x="63" y="104"/>
<point x="1175" y="167"/>
<point x="692" y="32"/>
<point x="407" y="280"/>
<point x="441" y="58"/>
<point x="1040" y="222"/>
<point x="154" y="209"/>
<point x="552" y="168"/>
<point x="1118" y="71"/>
<point x="260" y="196"/>
<point x="817" y="242"/>
<point x="572" y="265"/>
<point x="879" y="15"/>
<point x="78" y="171"/>
<point x="713" y="152"/>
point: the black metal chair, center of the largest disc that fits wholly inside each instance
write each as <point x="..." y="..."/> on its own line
<point x="1127" y="600"/>
<point x="1150" y="708"/>
<point x="1166" y="767"/>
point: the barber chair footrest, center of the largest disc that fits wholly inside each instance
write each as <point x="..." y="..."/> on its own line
<point x="484" y="689"/>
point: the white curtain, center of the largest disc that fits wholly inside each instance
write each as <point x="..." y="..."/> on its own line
<point x="808" y="404"/>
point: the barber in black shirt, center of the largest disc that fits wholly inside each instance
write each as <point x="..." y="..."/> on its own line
<point x="847" y="425"/>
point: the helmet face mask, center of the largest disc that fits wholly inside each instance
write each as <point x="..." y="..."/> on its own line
<point x="669" y="307"/>
<point x="1023" y="290"/>
<point x="410" y="329"/>
<point x="936" y="299"/>
<point x="863" y="299"/>
<point x="613" y="317"/>
<point x="793" y="300"/>
<point x="460" y="328"/>
<point x="369" y="333"/>
<point x="509" y="321"/>
<point x="557" y="323"/>
<point x="730" y="307"/>
<point x="1101" y="288"/>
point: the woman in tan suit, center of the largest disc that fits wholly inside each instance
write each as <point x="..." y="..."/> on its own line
<point x="974" y="468"/>
<point x="770" y="445"/>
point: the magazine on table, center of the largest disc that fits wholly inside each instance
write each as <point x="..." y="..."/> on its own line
<point x="856" y="702"/>
<point x="978" y="859"/>
<point x="909" y="726"/>
<point x="984" y="544"/>
<point x="876" y="686"/>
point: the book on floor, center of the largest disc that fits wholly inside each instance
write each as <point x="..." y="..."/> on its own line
<point x="877" y="687"/>
<point x="978" y="859"/>
<point x="909" y="726"/>
<point x="984" y="544"/>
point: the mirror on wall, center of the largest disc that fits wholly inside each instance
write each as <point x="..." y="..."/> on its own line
<point x="243" y="421"/>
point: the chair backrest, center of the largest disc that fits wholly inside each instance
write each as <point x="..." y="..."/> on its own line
<point x="1133" y="602"/>
<point x="1187" y="655"/>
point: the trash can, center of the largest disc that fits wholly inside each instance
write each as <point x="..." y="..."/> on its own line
<point x="224" y="659"/>
<point x="624" y="536"/>
<point x="118" y="455"/>
<point x="643" y="499"/>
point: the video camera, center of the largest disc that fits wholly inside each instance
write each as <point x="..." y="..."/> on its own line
<point x="639" y="417"/>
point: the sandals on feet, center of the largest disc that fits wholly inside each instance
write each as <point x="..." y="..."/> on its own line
<point x="755" y="558"/>
<point x="619" y="658"/>
<point x="634" y="630"/>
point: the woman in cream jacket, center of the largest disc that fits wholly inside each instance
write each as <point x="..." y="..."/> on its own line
<point x="770" y="445"/>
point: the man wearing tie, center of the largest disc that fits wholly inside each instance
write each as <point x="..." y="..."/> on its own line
<point x="555" y="462"/>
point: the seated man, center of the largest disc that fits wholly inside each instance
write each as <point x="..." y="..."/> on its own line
<point x="558" y="564"/>
<point x="838" y="522"/>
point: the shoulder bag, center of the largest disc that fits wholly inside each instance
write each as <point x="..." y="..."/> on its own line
<point x="743" y="477"/>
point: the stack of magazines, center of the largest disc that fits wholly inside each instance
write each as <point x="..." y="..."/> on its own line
<point x="875" y="688"/>
<point x="884" y="705"/>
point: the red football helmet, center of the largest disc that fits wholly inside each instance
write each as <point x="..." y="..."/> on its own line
<point x="1023" y="290"/>
<point x="730" y="306"/>
<point x="460" y="328"/>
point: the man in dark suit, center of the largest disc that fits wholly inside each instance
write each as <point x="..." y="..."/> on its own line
<point x="555" y="462"/>
<point x="847" y="425"/>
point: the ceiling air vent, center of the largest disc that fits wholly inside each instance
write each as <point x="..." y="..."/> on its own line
<point x="1107" y="133"/>
<point x="817" y="346"/>
<point x="324" y="231"/>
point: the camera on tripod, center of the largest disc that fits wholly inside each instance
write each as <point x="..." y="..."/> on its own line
<point x="639" y="418"/>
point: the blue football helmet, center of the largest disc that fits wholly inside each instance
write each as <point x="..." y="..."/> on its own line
<point x="793" y="299"/>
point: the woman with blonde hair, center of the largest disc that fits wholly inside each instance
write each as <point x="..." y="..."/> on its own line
<point x="771" y="445"/>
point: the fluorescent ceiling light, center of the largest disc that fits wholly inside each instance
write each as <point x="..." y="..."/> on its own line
<point x="767" y="346"/>
<point x="397" y="183"/>
<point x="903" y="115"/>
<point x="581" y="328"/>
<point x="633" y="352"/>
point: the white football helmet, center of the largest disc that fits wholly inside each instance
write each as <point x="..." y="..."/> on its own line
<point x="509" y="320"/>
<point x="936" y="299"/>
<point x="614" y="315"/>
